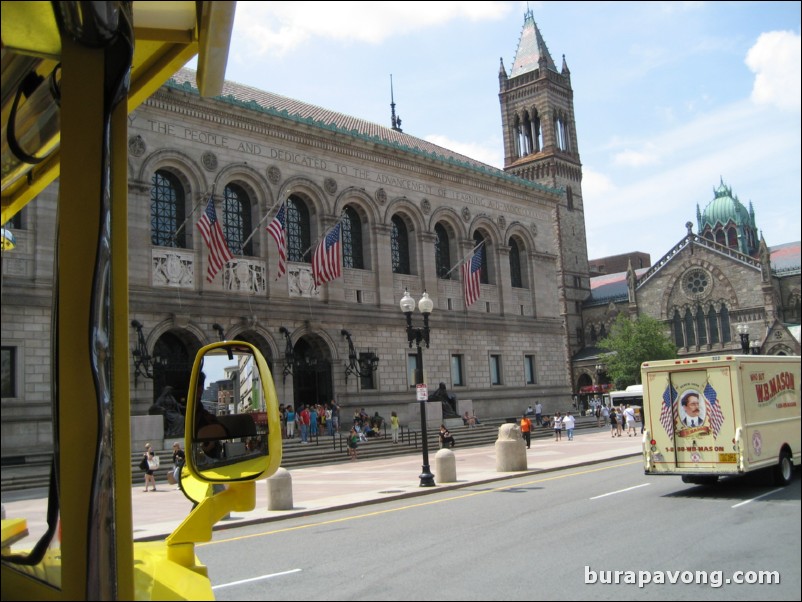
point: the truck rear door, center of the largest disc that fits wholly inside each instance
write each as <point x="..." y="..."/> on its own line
<point x="701" y="434"/>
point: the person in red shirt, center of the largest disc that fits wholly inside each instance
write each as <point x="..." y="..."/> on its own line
<point x="526" y="430"/>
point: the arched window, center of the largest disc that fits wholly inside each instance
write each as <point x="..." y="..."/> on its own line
<point x="167" y="211"/>
<point x="602" y="332"/>
<point x="352" y="240"/>
<point x="701" y="329"/>
<point x="399" y="244"/>
<point x="712" y="322"/>
<point x="679" y="339"/>
<point x="720" y="238"/>
<point x="515" y="265"/>
<point x="732" y="237"/>
<point x="478" y="238"/>
<point x="237" y="220"/>
<point x="592" y="335"/>
<point x="725" y="325"/>
<point x="689" y="332"/>
<point x="442" y="253"/>
<point x="298" y="231"/>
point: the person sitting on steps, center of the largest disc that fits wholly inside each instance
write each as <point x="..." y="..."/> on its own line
<point x="446" y="438"/>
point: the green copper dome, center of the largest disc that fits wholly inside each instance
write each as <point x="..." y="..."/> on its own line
<point x="727" y="221"/>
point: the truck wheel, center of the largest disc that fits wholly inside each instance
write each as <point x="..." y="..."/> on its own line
<point x="784" y="471"/>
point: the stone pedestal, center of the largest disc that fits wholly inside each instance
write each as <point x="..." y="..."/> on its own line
<point x="148" y="429"/>
<point x="279" y="490"/>
<point x="464" y="405"/>
<point x="434" y="415"/>
<point x="445" y="466"/>
<point x="510" y="449"/>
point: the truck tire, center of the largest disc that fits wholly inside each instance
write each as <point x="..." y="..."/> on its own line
<point x="784" y="471"/>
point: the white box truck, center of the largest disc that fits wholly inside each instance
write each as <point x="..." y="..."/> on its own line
<point x="707" y="417"/>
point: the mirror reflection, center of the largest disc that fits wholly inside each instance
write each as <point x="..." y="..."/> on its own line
<point x="230" y="420"/>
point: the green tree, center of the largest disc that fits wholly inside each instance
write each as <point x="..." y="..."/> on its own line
<point x="632" y="342"/>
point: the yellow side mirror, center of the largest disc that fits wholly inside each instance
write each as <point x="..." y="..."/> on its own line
<point x="232" y="432"/>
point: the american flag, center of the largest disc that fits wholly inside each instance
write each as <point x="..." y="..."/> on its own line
<point x="327" y="260"/>
<point x="276" y="229"/>
<point x="212" y="233"/>
<point x="667" y="411"/>
<point x="471" y="273"/>
<point x="713" y="408"/>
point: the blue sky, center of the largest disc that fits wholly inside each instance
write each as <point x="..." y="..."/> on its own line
<point x="669" y="96"/>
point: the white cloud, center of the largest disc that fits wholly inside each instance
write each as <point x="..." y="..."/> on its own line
<point x="489" y="153"/>
<point x="775" y="60"/>
<point x="631" y="158"/>
<point x="279" y="27"/>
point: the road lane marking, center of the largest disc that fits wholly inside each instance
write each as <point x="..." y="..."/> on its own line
<point x="757" y="498"/>
<point x="620" y="491"/>
<point x="413" y="506"/>
<point x="252" y="579"/>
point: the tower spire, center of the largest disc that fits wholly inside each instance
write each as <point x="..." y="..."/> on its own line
<point x="395" y="121"/>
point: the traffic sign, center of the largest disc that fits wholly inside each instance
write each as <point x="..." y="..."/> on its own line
<point x="423" y="392"/>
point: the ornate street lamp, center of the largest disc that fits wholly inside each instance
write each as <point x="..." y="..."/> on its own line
<point x="420" y="336"/>
<point x="743" y="332"/>
<point x="289" y="354"/>
<point x="144" y="363"/>
<point x="360" y="366"/>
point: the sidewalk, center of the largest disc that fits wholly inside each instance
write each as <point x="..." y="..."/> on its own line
<point x="323" y="488"/>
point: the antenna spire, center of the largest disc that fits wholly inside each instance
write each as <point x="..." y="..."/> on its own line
<point x="396" y="121"/>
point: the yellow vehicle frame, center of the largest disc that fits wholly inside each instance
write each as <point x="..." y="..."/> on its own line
<point x="96" y="559"/>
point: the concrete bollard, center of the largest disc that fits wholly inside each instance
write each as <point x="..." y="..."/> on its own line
<point x="279" y="490"/>
<point x="445" y="466"/>
<point x="510" y="449"/>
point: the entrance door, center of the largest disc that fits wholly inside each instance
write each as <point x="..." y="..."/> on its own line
<point x="311" y="374"/>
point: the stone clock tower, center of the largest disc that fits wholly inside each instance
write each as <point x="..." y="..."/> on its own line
<point x="540" y="144"/>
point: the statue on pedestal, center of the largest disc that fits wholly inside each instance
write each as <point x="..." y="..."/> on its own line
<point x="168" y="407"/>
<point x="448" y="401"/>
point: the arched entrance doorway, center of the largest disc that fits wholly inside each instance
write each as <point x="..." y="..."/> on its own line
<point x="311" y="373"/>
<point x="176" y="351"/>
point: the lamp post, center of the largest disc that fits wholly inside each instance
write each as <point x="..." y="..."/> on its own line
<point x="743" y="332"/>
<point x="420" y="335"/>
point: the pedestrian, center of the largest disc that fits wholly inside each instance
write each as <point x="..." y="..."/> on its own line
<point x="303" y="423"/>
<point x="179" y="458"/>
<point x="538" y="413"/>
<point x="290" y="422"/>
<point x="149" y="463"/>
<point x="569" y="422"/>
<point x="353" y="443"/>
<point x="598" y="412"/>
<point x="335" y="415"/>
<point x="557" y="425"/>
<point x="282" y="415"/>
<point x="314" y="420"/>
<point x="526" y="430"/>
<point x="614" y="427"/>
<point x="629" y="418"/>
<point x="329" y="420"/>
<point x="605" y="412"/>
<point x="446" y="438"/>
<point x="394" y="426"/>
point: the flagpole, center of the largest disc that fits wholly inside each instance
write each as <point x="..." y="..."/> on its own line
<point x="268" y="214"/>
<point x="460" y="262"/>
<point x="174" y="235"/>
<point x="315" y="244"/>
